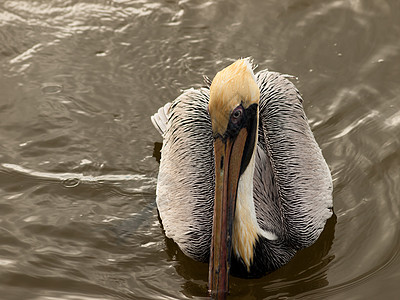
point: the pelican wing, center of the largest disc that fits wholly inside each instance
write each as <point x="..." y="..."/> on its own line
<point x="185" y="189"/>
<point x="292" y="182"/>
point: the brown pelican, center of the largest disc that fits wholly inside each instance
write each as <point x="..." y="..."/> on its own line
<point x="242" y="182"/>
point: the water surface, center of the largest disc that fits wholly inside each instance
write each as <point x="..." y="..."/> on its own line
<point x="79" y="81"/>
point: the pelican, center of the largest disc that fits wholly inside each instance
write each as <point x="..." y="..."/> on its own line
<point x="242" y="182"/>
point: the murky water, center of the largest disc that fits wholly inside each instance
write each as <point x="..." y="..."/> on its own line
<point x="79" y="80"/>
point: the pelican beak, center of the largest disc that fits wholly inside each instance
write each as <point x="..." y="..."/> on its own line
<point x="228" y="158"/>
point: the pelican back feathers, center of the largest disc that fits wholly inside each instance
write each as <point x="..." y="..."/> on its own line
<point x="300" y="183"/>
<point x="185" y="188"/>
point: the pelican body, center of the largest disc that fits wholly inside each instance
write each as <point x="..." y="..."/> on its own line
<point x="242" y="182"/>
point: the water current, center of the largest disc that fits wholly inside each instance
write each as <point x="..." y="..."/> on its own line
<point x="79" y="80"/>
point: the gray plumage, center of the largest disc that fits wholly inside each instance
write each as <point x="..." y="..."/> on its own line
<point x="292" y="183"/>
<point x="185" y="188"/>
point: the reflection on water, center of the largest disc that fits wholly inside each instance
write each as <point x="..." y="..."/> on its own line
<point x="78" y="154"/>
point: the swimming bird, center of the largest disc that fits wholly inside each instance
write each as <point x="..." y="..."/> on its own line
<point x="242" y="182"/>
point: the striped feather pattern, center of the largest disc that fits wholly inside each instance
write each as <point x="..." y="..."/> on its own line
<point x="300" y="182"/>
<point x="292" y="183"/>
<point x="185" y="189"/>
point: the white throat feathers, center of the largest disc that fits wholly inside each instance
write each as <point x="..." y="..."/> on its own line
<point x="246" y="229"/>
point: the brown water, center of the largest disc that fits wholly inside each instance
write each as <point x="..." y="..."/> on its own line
<point x="79" y="80"/>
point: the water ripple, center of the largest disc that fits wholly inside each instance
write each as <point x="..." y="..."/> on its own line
<point x="76" y="176"/>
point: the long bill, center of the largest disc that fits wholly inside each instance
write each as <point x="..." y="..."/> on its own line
<point x="228" y="158"/>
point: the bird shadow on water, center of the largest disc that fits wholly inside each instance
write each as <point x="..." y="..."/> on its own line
<point x="195" y="273"/>
<point x="305" y="273"/>
<point x="157" y="151"/>
<point x="129" y="227"/>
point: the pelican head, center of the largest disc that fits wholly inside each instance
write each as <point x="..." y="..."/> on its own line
<point x="231" y="88"/>
<point x="233" y="109"/>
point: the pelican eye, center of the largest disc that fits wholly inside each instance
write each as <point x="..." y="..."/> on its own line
<point x="237" y="114"/>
